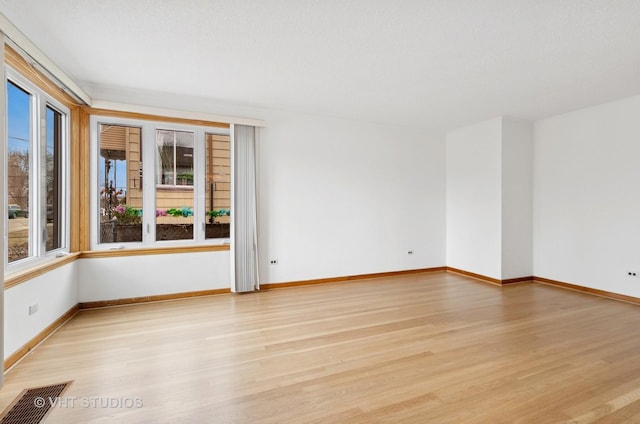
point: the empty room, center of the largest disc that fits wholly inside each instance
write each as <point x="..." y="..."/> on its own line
<point x="320" y="212"/>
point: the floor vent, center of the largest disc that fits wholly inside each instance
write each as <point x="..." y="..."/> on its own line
<point x="33" y="405"/>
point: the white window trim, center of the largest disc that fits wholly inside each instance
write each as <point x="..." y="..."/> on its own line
<point x="148" y="132"/>
<point x="37" y="149"/>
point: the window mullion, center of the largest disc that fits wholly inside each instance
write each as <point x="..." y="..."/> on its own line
<point x="199" y="216"/>
<point x="34" y="178"/>
<point x="149" y="184"/>
<point x="40" y="225"/>
<point x="175" y="157"/>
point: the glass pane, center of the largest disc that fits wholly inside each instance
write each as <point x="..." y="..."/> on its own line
<point x="174" y="179"/>
<point x="218" y="186"/>
<point x="18" y="165"/>
<point x="184" y="158"/>
<point x="53" y="179"/>
<point x="165" y="146"/>
<point x="120" y="184"/>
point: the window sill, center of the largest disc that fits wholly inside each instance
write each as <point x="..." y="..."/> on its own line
<point x="153" y="251"/>
<point x="15" y="278"/>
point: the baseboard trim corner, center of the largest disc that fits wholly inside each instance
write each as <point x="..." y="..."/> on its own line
<point x="528" y="279"/>
<point x="489" y="280"/>
<point x="39" y="338"/>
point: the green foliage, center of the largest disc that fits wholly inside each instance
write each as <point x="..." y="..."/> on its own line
<point x="127" y="215"/>
<point x="219" y="212"/>
<point x="180" y="212"/>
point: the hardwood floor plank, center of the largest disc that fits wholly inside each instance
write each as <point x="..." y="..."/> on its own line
<point x="417" y="348"/>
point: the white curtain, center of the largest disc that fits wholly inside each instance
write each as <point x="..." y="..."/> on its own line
<point x="244" y="239"/>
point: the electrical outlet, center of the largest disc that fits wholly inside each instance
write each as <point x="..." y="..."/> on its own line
<point x="633" y="274"/>
<point x="273" y="262"/>
<point x="33" y="309"/>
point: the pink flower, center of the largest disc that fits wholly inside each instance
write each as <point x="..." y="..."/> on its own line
<point x="120" y="209"/>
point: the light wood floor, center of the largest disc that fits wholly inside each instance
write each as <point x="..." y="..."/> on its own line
<point x="428" y="348"/>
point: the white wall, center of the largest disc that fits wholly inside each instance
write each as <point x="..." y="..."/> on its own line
<point x="474" y="194"/>
<point x="587" y="198"/>
<point x="489" y="198"/>
<point x="139" y="276"/>
<point x="517" y="199"/>
<point x="336" y="198"/>
<point x="339" y="197"/>
<point x="55" y="293"/>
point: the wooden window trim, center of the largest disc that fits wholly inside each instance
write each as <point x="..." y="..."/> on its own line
<point x="17" y="62"/>
<point x="155" y="118"/>
<point x="20" y="277"/>
<point x="78" y="152"/>
<point x="144" y="251"/>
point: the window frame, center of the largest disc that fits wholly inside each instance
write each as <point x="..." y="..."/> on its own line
<point x="150" y="185"/>
<point x="40" y="101"/>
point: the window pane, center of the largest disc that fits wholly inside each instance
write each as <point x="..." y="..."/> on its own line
<point x="184" y="158"/>
<point x="165" y="145"/>
<point x="18" y="167"/>
<point x="54" y="179"/>
<point x="120" y="184"/>
<point x="174" y="179"/>
<point x="218" y="186"/>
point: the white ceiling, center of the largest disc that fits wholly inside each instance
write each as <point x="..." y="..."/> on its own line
<point x="437" y="64"/>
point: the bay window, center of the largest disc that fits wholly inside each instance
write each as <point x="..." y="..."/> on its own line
<point x="181" y="196"/>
